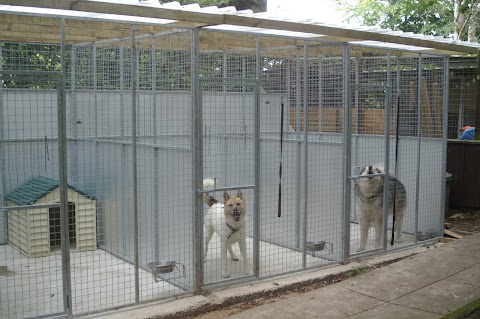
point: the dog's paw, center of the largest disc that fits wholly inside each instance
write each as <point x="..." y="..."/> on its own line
<point x="398" y="239"/>
<point x="235" y="258"/>
<point x="248" y="272"/>
<point x="225" y="275"/>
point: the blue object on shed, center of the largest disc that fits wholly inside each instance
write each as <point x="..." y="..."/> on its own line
<point x="468" y="134"/>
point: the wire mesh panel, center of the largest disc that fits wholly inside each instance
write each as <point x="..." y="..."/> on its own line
<point x="229" y="112"/>
<point x="462" y="97"/>
<point x="325" y="156"/>
<point x="165" y="163"/>
<point x="281" y="150"/>
<point x="130" y="115"/>
<point x="31" y="277"/>
<point x="432" y="152"/>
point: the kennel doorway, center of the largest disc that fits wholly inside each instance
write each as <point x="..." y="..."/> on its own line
<point x="54" y="227"/>
<point x="368" y="143"/>
<point x="230" y="155"/>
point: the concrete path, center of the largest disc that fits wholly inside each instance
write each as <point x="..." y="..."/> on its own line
<point x="428" y="284"/>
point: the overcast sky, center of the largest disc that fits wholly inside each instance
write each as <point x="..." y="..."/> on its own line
<point x="324" y="10"/>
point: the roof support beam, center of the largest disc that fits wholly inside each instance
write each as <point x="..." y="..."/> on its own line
<point x="199" y="19"/>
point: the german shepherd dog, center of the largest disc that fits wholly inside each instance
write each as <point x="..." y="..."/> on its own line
<point x="227" y="219"/>
<point x="369" y="192"/>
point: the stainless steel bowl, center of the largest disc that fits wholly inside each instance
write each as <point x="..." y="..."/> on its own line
<point x="316" y="245"/>
<point x="162" y="267"/>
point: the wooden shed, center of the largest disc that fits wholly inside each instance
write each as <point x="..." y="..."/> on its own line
<point x="35" y="232"/>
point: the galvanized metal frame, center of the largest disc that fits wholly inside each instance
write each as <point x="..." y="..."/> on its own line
<point x="305" y="152"/>
<point x="419" y="139"/>
<point x="347" y="139"/>
<point x="197" y="156"/>
<point x="3" y="214"/>
<point x="386" y="179"/>
<point x="63" y="173"/>
<point x="446" y="81"/>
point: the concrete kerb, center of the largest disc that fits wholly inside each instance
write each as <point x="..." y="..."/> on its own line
<point x="220" y="298"/>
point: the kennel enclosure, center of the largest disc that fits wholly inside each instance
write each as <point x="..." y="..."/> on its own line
<point x="128" y="106"/>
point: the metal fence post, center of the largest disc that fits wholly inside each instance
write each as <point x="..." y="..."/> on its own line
<point x="63" y="186"/>
<point x="197" y="158"/>
<point x="347" y="140"/>
<point x="386" y="179"/>
<point x="419" y="137"/>
<point x="446" y="77"/>
<point x="133" y="80"/>
<point x="305" y="152"/>
<point x="256" y="207"/>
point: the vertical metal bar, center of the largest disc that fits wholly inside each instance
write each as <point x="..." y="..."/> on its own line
<point x="97" y="146"/>
<point x="197" y="158"/>
<point x="156" y="189"/>
<point x="320" y="96"/>
<point x="225" y="112"/>
<point x="123" y="155"/>
<point x="386" y="179"/>
<point x="4" y="214"/>
<point x="298" y="102"/>
<point x="256" y="204"/>
<point x="95" y="92"/>
<point x="356" y="152"/>
<point x="62" y="170"/>
<point x="244" y="104"/>
<point x="122" y="89"/>
<point x="419" y="138"/>
<point x="133" y="80"/>
<point x="288" y="86"/>
<point x="305" y="153"/>
<point x="446" y="81"/>
<point x="73" y="117"/>
<point x="347" y="117"/>
<point x="461" y="108"/>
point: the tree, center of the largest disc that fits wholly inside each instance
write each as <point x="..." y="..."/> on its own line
<point x="255" y="5"/>
<point x="446" y="18"/>
<point x="465" y="21"/>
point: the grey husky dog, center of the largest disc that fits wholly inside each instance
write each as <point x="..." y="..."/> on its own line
<point x="369" y="192"/>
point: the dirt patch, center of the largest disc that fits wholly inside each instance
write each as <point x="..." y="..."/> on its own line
<point x="464" y="219"/>
<point x="271" y="297"/>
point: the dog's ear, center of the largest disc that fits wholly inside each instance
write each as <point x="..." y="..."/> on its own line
<point x="240" y="194"/>
<point x="363" y="170"/>
<point x="225" y="196"/>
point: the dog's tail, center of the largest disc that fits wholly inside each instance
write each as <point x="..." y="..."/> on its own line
<point x="209" y="183"/>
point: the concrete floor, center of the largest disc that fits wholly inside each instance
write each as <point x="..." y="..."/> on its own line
<point x="33" y="286"/>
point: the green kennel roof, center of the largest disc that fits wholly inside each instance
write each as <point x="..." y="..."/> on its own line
<point x="36" y="188"/>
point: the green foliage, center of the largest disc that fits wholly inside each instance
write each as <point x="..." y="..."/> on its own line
<point x="433" y="17"/>
<point x="255" y="5"/>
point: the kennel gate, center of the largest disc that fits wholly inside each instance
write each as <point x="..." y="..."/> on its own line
<point x="381" y="94"/>
<point x="229" y="145"/>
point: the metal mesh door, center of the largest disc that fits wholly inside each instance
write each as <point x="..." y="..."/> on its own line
<point x="370" y="150"/>
<point x="230" y="114"/>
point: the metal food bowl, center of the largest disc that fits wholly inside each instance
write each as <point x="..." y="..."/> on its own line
<point x="162" y="267"/>
<point x="316" y="245"/>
